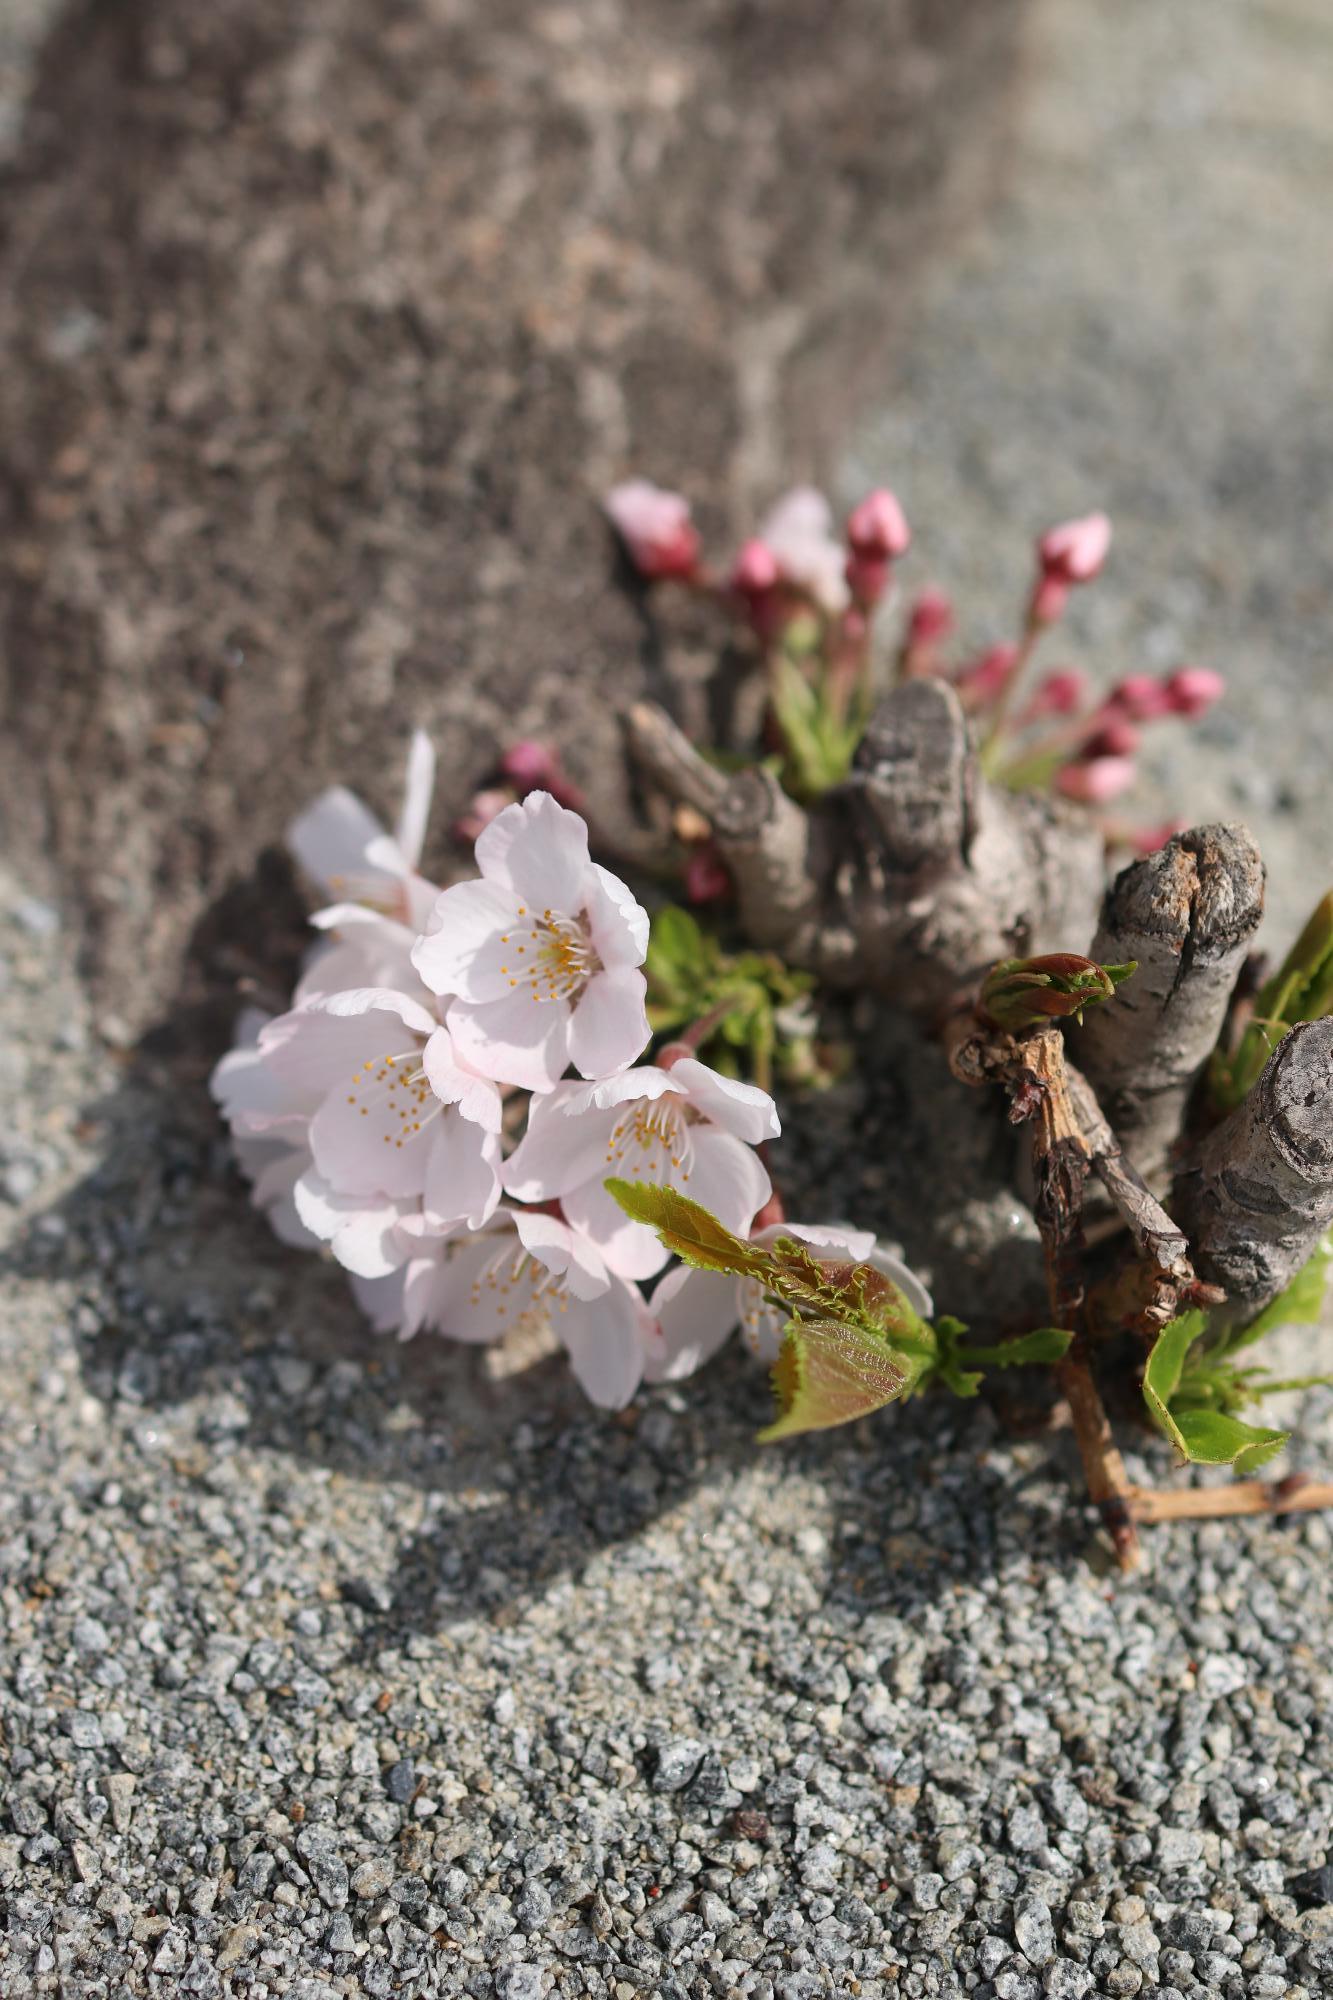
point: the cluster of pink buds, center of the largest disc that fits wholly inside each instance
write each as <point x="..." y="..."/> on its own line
<point x="525" y="767"/>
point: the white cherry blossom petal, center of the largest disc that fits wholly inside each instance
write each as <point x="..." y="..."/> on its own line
<point x="607" y="1340"/>
<point x="539" y="849"/>
<point x="455" y="1083"/>
<point x="617" y="921"/>
<point x="646" y="1081"/>
<point x="462" y="1176"/>
<point x="418" y="787"/>
<point x="696" y="1312"/>
<point x="329" y="839"/>
<point x="726" y="1178"/>
<point x="474" y="947"/>
<point x="557" y="1153"/>
<point x="631" y="1249"/>
<point x="563" y="1251"/>
<point x="609" y="1025"/>
<point x="742" y="1109"/>
<point x="515" y="1040"/>
<point x="360" y="1232"/>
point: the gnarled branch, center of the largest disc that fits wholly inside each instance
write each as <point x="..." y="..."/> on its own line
<point x="1187" y="914"/>
<point x="1258" y="1194"/>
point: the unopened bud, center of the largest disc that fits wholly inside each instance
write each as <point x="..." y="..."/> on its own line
<point x="930" y="618"/>
<point x="655" y="527"/>
<point x="482" y="808"/>
<point x="755" y="569"/>
<point x="531" y="765"/>
<point x="867" y="579"/>
<point x="1060" y="693"/>
<point x="1192" y="691"/>
<point x="986" y="677"/>
<point x="878" y="528"/>
<point x="1046" y="606"/>
<point x="1074" y="551"/>
<point x="1139" y="697"/>
<point x="1105" y="778"/>
<point x="1117" y="737"/>
<point x="1021" y="993"/>
<point x="706" y="877"/>
<point x="1148" y="839"/>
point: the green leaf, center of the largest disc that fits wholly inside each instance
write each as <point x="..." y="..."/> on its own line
<point x="1204" y="1436"/>
<point x="1019" y="993"/>
<point x="1207" y="1437"/>
<point x="694" y="1235"/>
<point x="829" y="1373"/>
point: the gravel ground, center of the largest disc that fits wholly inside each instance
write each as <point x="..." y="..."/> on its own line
<point x="339" y="1669"/>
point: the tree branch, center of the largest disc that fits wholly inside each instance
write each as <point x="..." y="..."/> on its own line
<point x="1187" y="914"/>
<point x="1258" y="1194"/>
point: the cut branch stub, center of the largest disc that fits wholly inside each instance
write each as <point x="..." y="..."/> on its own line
<point x="1187" y="914"/>
<point x="913" y="877"/>
<point x="1258" y="1194"/>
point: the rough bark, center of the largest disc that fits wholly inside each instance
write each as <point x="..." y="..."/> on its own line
<point x="1187" y="914"/>
<point x="914" y="876"/>
<point x="1258" y="1194"/>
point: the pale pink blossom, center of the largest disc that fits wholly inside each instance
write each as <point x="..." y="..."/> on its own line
<point x="800" y="534"/>
<point x="655" y="527"/>
<point x="877" y="527"/>
<point x="541" y="955"/>
<point x="685" y="1127"/>
<point x="697" y="1311"/>
<point x="367" y="1088"/>
<point x="1105" y="778"/>
<point x="1074" y="551"/>
<point x="341" y="845"/>
<point x="755" y="570"/>
<point x="526" y="1273"/>
<point x="1192" y="691"/>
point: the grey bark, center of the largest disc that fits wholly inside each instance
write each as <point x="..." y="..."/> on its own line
<point x="911" y="878"/>
<point x="1187" y="914"/>
<point x="1258" y="1194"/>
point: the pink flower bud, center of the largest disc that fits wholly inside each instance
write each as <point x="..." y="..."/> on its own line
<point x="755" y="569"/>
<point x="482" y="809"/>
<point x="706" y="878"/>
<point x="1192" y="691"/>
<point x="877" y="528"/>
<point x="1049" y="596"/>
<point x="1117" y="737"/>
<point x="1060" y="693"/>
<point x="655" y="526"/>
<point x="1140" y="698"/>
<point x="986" y="677"/>
<point x="1147" y="839"/>
<point x="531" y="766"/>
<point x="1094" y="784"/>
<point x="867" y="578"/>
<point x="1074" y="551"/>
<point x="930" y="619"/>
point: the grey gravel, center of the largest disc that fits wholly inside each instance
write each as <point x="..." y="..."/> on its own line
<point x="329" y="1668"/>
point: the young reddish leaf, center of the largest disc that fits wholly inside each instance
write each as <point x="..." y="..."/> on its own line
<point x="829" y="1373"/>
<point x="690" y="1231"/>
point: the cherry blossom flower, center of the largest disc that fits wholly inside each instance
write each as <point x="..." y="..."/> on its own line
<point x="655" y="526"/>
<point x="526" y="1273"/>
<point x="541" y="955"/>
<point x="368" y="1090"/>
<point x="799" y="533"/>
<point x="341" y="845"/>
<point x="685" y="1127"/>
<point x="697" y="1311"/>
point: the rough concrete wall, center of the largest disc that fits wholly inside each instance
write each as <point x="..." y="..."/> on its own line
<point x="323" y="326"/>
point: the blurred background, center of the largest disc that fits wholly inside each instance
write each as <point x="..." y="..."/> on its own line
<point x="324" y="327"/>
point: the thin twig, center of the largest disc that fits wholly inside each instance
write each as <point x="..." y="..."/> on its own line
<point x="1294" y="1495"/>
